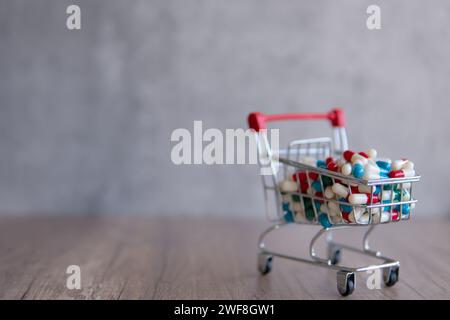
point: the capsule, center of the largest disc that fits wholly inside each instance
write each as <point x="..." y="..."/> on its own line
<point x="340" y="162"/>
<point x="348" y="217"/>
<point x="332" y="166"/>
<point x="324" y="221"/>
<point x="372" y="197"/>
<point x="372" y="153"/>
<point x="288" y="186"/>
<point x="333" y="208"/>
<point x="328" y="160"/>
<point x="405" y="208"/>
<point x="329" y="194"/>
<point x="351" y="156"/>
<point x="409" y="165"/>
<point x="300" y="215"/>
<point x="317" y="186"/>
<point x="384" y="217"/>
<point x="373" y="172"/>
<point x="398" y="164"/>
<point x="297" y="206"/>
<point x="289" y="216"/>
<point x="301" y="177"/>
<point x="358" y="198"/>
<point x="340" y="190"/>
<point x="313" y="175"/>
<point x="285" y="197"/>
<point x="345" y="207"/>
<point x="395" y="215"/>
<point x="321" y="164"/>
<point x="358" y="171"/>
<point x="346" y="169"/>
<point x="402" y="173"/>
<point x="335" y="219"/>
<point x="365" y="155"/>
<point x="362" y="188"/>
<point x="386" y="166"/>
<point x="406" y="196"/>
<point x="327" y="181"/>
<point x="311" y="161"/>
<point x="386" y="195"/>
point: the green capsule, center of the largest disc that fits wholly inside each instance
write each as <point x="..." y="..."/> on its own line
<point x="310" y="214"/>
<point x="308" y="203"/>
<point x="327" y="181"/>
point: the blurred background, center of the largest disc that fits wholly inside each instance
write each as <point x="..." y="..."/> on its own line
<point x="86" y="115"/>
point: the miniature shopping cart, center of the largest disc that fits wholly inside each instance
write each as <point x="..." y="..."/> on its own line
<point x="281" y="164"/>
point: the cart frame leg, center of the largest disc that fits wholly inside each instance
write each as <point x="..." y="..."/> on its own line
<point x="314" y="259"/>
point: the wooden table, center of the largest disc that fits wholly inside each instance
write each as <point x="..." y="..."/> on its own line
<point x="202" y="258"/>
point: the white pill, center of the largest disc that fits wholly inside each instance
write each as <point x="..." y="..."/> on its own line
<point x="297" y="206"/>
<point x="372" y="153"/>
<point x="333" y="209"/>
<point x="371" y="168"/>
<point x="386" y="195"/>
<point x="409" y="173"/>
<point x="405" y="195"/>
<point x="357" y="161"/>
<point x="329" y="194"/>
<point x="398" y="164"/>
<point x="288" y="186"/>
<point x="346" y="169"/>
<point x="364" y="189"/>
<point x="369" y="175"/>
<point x="335" y="219"/>
<point x="358" y="198"/>
<point x="340" y="190"/>
<point x="358" y="157"/>
<point x="300" y="216"/>
<point x="384" y="217"/>
<point x="409" y="165"/>
<point x="341" y="162"/>
<point x="310" y="161"/>
<point x="372" y="162"/>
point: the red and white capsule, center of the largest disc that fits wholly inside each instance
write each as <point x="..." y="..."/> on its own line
<point x="402" y="173"/>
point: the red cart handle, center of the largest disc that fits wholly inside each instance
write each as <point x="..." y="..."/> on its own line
<point x="258" y="120"/>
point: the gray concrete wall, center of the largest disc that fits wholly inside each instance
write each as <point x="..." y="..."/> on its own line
<point x="86" y="116"/>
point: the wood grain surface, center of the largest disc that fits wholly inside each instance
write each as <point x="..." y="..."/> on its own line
<point x="203" y="258"/>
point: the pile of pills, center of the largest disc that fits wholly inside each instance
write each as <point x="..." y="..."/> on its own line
<point x="336" y="201"/>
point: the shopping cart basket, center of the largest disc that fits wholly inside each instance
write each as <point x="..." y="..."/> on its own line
<point x="306" y="206"/>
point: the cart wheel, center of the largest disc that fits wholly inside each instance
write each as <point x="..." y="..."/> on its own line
<point x="334" y="254"/>
<point x="390" y="276"/>
<point x="345" y="282"/>
<point x="264" y="263"/>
